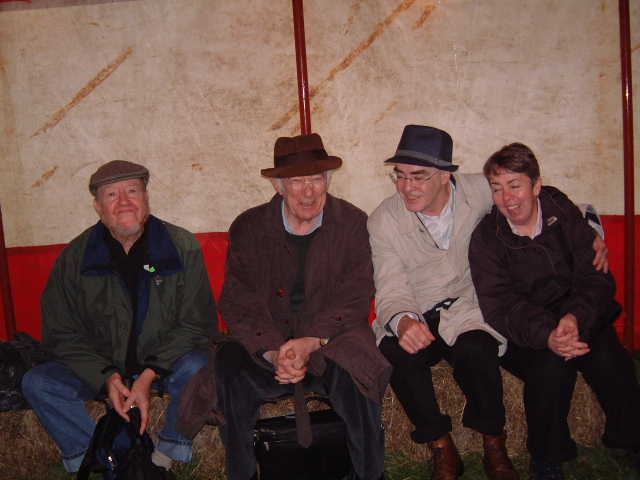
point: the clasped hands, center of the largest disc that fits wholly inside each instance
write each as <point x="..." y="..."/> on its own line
<point x="291" y="359"/>
<point x="564" y="340"/>
<point x="122" y="398"/>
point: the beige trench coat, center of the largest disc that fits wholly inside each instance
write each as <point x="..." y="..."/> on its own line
<point x="412" y="274"/>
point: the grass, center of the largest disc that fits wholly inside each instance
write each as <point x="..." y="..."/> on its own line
<point x="591" y="464"/>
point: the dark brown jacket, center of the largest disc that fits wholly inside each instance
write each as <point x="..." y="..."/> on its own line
<point x="526" y="285"/>
<point x="255" y="301"/>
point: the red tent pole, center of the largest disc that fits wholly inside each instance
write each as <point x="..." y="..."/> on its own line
<point x="629" y="194"/>
<point x="8" y="323"/>
<point x="301" y="67"/>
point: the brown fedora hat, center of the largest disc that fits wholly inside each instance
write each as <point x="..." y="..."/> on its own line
<point x="300" y="156"/>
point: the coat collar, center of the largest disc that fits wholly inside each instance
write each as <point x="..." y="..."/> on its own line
<point x="163" y="257"/>
<point x="332" y="214"/>
<point x="552" y="217"/>
<point x="409" y="222"/>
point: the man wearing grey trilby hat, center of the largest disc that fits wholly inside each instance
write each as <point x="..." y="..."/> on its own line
<point x="129" y="297"/>
<point x="426" y="304"/>
<point x="296" y="297"/>
<point x="427" y="307"/>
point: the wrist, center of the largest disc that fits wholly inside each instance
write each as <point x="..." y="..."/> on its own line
<point x="270" y="356"/>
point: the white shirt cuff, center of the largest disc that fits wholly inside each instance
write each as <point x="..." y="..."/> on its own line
<point x="395" y="320"/>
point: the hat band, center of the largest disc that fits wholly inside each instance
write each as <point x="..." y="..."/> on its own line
<point x="423" y="156"/>
<point x="300" y="157"/>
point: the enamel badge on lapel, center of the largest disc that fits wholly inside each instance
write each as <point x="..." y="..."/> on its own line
<point x="151" y="269"/>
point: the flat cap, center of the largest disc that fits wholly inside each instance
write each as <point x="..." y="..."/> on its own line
<point x="117" y="171"/>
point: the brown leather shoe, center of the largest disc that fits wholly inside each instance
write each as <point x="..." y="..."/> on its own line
<point x="496" y="462"/>
<point x="447" y="464"/>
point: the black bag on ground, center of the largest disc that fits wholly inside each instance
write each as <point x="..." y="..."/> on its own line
<point x="281" y="457"/>
<point x="119" y="452"/>
<point x="16" y="357"/>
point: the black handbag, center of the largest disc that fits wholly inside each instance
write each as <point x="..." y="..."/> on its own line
<point x="280" y="456"/>
<point x="16" y="358"/>
<point x="119" y="452"/>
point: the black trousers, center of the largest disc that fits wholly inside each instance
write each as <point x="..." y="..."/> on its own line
<point x="243" y="385"/>
<point x="475" y="362"/>
<point x="548" y="387"/>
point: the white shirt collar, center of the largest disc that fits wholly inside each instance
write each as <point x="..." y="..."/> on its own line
<point x="288" y="228"/>
<point x="440" y="227"/>
<point x="538" y="229"/>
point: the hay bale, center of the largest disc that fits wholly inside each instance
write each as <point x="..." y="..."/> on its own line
<point x="25" y="448"/>
<point x="586" y="419"/>
<point x="26" y="451"/>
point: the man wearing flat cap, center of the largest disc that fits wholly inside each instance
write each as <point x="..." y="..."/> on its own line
<point x="297" y="293"/>
<point x="427" y="307"/>
<point x="129" y="298"/>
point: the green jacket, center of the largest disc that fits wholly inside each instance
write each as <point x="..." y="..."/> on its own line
<point x="87" y="313"/>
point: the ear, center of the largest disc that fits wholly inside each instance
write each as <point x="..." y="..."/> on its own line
<point x="445" y="176"/>
<point x="537" y="186"/>
<point x="96" y="206"/>
<point x="276" y="182"/>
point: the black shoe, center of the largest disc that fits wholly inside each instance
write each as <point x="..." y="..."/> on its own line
<point x="541" y="470"/>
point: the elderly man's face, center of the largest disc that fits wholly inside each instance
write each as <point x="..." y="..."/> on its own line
<point x="423" y="189"/>
<point x="304" y="197"/>
<point x="123" y="207"/>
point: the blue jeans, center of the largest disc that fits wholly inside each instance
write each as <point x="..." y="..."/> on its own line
<point x="58" y="397"/>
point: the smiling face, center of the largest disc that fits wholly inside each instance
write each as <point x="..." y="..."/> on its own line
<point x="423" y="189"/>
<point x="123" y="207"/>
<point x="516" y="196"/>
<point x="304" y="199"/>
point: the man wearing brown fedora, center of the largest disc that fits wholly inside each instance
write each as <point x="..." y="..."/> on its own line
<point x="297" y="293"/>
<point x="129" y="298"/>
<point x="427" y="307"/>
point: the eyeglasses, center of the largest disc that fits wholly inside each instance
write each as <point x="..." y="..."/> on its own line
<point x="297" y="183"/>
<point x="418" y="179"/>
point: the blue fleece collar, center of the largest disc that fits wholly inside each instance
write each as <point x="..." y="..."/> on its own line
<point x="163" y="257"/>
